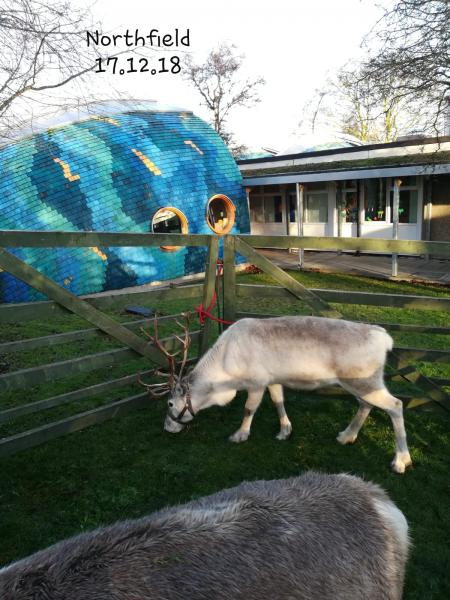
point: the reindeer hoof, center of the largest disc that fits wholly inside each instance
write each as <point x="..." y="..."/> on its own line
<point x="239" y="436"/>
<point x="346" y="438"/>
<point x="285" y="432"/>
<point x="401" y="462"/>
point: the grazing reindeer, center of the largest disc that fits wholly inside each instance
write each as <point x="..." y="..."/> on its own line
<point x="300" y="353"/>
<point x="313" y="537"/>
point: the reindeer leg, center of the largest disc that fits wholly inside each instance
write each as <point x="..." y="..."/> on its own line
<point x="251" y="406"/>
<point x="394" y="408"/>
<point x="349" y="435"/>
<point x="374" y="393"/>
<point x="276" y="393"/>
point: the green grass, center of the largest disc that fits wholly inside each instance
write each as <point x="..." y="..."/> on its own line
<point x="129" y="467"/>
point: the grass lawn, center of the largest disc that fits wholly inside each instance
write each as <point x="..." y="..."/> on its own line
<point x="129" y="467"/>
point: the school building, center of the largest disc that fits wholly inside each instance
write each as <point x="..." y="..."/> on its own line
<point x="349" y="191"/>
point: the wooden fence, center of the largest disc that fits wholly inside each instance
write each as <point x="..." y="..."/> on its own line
<point x="134" y="346"/>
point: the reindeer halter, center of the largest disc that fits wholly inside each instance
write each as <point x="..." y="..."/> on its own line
<point x="187" y="407"/>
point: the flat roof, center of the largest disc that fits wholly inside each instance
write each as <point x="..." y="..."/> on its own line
<point x="343" y="175"/>
<point x="418" y="141"/>
<point x="387" y="166"/>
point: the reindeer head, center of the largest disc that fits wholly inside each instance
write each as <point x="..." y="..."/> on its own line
<point x="179" y="406"/>
<point x="180" y="409"/>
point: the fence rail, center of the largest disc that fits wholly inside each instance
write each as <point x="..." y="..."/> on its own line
<point x="319" y="301"/>
<point x="86" y="239"/>
<point x="28" y="311"/>
<point x="342" y="243"/>
<point x="244" y="290"/>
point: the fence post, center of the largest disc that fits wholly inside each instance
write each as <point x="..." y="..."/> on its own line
<point x="229" y="279"/>
<point x="300" y="188"/>
<point x="340" y="209"/>
<point x="209" y="289"/>
<point x="395" y="215"/>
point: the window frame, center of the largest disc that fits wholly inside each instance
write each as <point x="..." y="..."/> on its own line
<point x="231" y="214"/>
<point x="184" y="225"/>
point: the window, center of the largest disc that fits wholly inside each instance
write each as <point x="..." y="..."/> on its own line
<point x="351" y="207"/>
<point x="273" y="209"/>
<point x="266" y="208"/>
<point x="375" y="200"/>
<point x="292" y="207"/>
<point x="350" y="200"/>
<point x="407" y="207"/>
<point x="257" y="209"/>
<point x="169" y="220"/>
<point x="220" y="214"/>
<point x="316" y="206"/>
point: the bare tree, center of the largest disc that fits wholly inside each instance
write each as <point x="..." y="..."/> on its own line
<point x="312" y="110"/>
<point x="217" y="81"/>
<point x="42" y="50"/>
<point x="44" y="62"/>
<point x="374" y="112"/>
<point x="411" y="56"/>
<point x="352" y="104"/>
<point x="357" y="118"/>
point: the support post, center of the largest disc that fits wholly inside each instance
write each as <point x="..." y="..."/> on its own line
<point x="428" y="211"/>
<point x="229" y="279"/>
<point x="361" y="206"/>
<point x="361" y="198"/>
<point x="300" y="197"/>
<point x="285" y="200"/>
<point x="209" y="289"/>
<point x="395" y="212"/>
<point x="247" y="195"/>
<point x="339" y="205"/>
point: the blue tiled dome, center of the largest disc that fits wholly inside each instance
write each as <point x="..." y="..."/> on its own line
<point x="113" y="173"/>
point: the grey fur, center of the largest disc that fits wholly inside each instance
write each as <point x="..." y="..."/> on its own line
<point x="311" y="537"/>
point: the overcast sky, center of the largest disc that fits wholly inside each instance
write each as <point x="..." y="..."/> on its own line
<point x="294" y="44"/>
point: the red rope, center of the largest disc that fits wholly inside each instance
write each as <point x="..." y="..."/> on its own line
<point x="203" y="313"/>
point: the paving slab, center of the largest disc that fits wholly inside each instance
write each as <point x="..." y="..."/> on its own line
<point x="410" y="268"/>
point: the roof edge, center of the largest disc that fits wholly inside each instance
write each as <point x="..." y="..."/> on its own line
<point x="349" y="149"/>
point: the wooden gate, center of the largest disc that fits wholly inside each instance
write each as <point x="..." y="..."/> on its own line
<point x="131" y="345"/>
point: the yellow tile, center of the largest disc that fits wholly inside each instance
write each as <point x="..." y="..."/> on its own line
<point x="147" y="162"/>
<point x="99" y="253"/>
<point x="190" y="143"/>
<point x="106" y="120"/>
<point x="66" y="170"/>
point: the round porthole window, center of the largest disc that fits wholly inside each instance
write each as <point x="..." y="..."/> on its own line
<point x="220" y="214"/>
<point x="169" y="220"/>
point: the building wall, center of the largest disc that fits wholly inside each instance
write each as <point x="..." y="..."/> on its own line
<point x="440" y="210"/>
<point x="273" y="209"/>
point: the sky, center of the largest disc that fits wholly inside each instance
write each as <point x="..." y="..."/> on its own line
<point x="294" y="44"/>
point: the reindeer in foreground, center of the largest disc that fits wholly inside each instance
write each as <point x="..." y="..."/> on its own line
<point x="300" y="353"/>
<point x="314" y="537"/>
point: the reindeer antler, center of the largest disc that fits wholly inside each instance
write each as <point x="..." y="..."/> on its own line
<point x="185" y="343"/>
<point x="159" y="389"/>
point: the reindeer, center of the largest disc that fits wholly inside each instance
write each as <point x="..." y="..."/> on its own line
<point x="300" y="353"/>
<point x="317" y="536"/>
